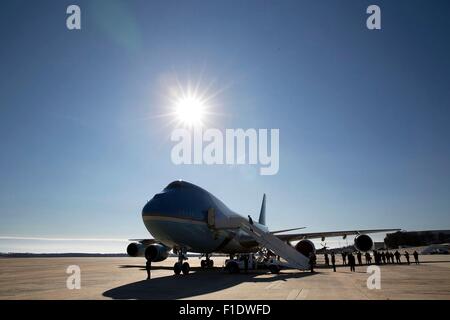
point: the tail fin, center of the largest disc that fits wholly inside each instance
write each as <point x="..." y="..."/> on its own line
<point x="262" y="214"/>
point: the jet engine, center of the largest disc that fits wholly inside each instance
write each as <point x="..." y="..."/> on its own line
<point x="363" y="242"/>
<point x="136" y="249"/>
<point x="305" y="247"/>
<point x="156" y="252"/>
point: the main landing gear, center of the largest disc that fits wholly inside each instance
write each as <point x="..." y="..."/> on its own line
<point x="207" y="263"/>
<point x="181" y="266"/>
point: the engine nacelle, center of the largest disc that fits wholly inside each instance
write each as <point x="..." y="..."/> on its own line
<point x="156" y="252"/>
<point x="136" y="249"/>
<point x="363" y="242"/>
<point x="305" y="247"/>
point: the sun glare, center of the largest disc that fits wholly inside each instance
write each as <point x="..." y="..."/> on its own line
<point x="191" y="105"/>
<point x="190" y="110"/>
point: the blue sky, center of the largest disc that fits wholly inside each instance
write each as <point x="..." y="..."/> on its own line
<point x="363" y="115"/>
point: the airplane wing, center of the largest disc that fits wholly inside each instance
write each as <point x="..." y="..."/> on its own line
<point x="286" y="230"/>
<point x="317" y="235"/>
<point x="144" y="241"/>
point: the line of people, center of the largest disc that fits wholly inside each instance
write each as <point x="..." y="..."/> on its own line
<point x="379" y="258"/>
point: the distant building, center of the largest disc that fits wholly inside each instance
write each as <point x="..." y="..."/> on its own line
<point x="436" y="249"/>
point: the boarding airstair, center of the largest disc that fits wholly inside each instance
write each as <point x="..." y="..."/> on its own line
<point x="277" y="246"/>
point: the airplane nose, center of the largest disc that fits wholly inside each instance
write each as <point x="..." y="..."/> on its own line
<point x="179" y="201"/>
<point x="155" y="205"/>
<point x="165" y="204"/>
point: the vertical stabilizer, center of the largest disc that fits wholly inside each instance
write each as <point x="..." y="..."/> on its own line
<point x="262" y="214"/>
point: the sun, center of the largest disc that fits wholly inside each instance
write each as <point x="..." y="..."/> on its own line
<point x="190" y="110"/>
<point x="190" y="105"/>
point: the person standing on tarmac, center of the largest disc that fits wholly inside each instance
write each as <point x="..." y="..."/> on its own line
<point x="397" y="256"/>
<point x="333" y="261"/>
<point x="351" y="262"/>
<point x="312" y="261"/>
<point x="375" y="257"/>
<point x="359" y="257"/>
<point x="416" y="257"/>
<point x="368" y="258"/>
<point x="245" y="263"/>
<point x="407" y="257"/>
<point x="327" y="260"/>
<point x="344" y="258"/>
<point x="148" y="267"/>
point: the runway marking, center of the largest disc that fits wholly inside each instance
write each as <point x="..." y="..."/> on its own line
<point x="303" y="294"/>
<point x="293" y="294"/>
<point x="274" y="285"/>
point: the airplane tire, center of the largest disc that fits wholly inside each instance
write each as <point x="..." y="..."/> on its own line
<point x="203" y="264"/>
<point x="274" y="269"/>
<point x="177" y="268"/>
<point x="185" y="268"/>
<point x="210" y="263"/>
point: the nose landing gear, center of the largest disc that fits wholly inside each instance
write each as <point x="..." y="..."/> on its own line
<point x="207" y="263"/>
<point x="185" y="268"/>
<point x="179" y="266"/>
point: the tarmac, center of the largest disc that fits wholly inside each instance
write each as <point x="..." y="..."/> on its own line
<point x="124" y="278"/>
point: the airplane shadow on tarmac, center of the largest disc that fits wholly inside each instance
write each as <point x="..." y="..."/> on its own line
<point x="197" y="283"/>
<point x="201" y="282"/>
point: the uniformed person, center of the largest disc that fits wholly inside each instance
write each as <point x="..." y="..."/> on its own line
<point x="351" y="262"/>
<point x="344" y="258"/>
<point x="416" y="257"/>
<point x="148" y="267"/>
<point x="359" y="257"/>
<point x="407" y="257"/>
<point x="368" y="258"/>
<point x="312" y="261"/>
<point x="327" y="260"/>
<point x="246" y="263"/>
<point x="397" y="256"/>
<point x="333" y="261"/>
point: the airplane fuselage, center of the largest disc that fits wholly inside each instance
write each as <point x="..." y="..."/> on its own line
<point x="179" y="218"/>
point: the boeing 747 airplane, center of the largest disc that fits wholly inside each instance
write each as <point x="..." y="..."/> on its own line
<point x="186" y="218"/>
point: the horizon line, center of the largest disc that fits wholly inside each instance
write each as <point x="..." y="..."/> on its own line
<point x="62" y="239"/>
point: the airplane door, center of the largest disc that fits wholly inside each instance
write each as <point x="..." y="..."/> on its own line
<point x="211" y="217"/>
